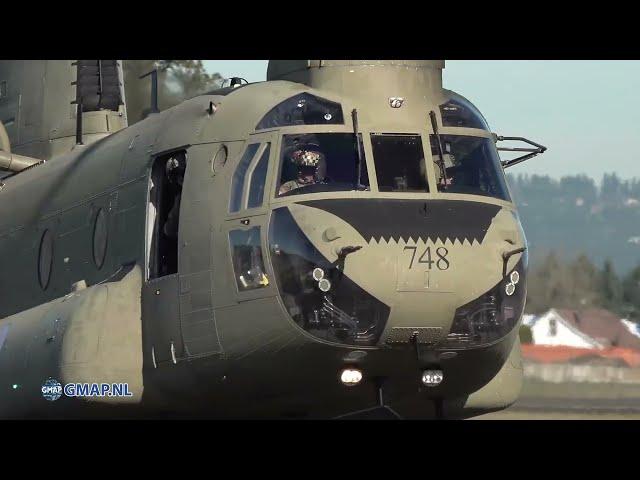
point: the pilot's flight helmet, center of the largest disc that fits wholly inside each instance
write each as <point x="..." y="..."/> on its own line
<point x="175" y="168"/>
<point x="309" y="157"/>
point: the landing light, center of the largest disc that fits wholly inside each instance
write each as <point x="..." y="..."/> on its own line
<point x="324" y="285"/>
<point x="432" y="378"/>
<point x="350" y="376"/>
<point x="515" y="277"/>
<point x="510" y="289"/>
<point x="318" y="274"/>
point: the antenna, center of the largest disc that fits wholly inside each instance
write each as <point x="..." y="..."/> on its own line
<point x="79" y="123"/>
<point x="154" y="89"/>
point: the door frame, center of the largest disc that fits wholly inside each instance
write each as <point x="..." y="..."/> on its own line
<point x="247" y="218"/>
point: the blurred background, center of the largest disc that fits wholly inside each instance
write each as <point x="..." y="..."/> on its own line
<point x="579" y="204"/>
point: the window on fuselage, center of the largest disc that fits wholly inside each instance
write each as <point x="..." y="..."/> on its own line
<point x="246" y="255"/>
<point x="471" y="165"/>
<point x="320" y="162"/>
<point x="249" y="178"/>
<point x="237" y="183"/>
<point x="258" y="178"/>
<point x="400" y="163"/>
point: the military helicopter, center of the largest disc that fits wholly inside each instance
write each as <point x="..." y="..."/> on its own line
<point x="338" y="241"/>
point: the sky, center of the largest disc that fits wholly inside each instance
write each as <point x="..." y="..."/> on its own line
<point x="587" y="113"/>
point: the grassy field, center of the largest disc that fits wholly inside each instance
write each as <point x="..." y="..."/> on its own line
<point x="573" y="401"/>
<point x="610" y="391"/>
<point x="511" y="414"/>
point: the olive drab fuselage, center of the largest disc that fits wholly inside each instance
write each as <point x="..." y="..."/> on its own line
<point x="241" y="326"/>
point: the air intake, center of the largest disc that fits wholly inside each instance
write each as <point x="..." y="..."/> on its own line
<point x="99" y="85"/>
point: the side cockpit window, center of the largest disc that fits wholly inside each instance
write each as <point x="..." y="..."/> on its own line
<point x="303" y="109"/>
<point x="321" y="162"/>
<point x="247" y="185"/>
<point x="163" y="213"/>
<point x="246" y="255"/>
<point x="400" y="163"/>
<point x="258" y="179"/>
<point x="237" y="183"/>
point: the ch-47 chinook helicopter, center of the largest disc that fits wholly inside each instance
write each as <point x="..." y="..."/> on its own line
<point x="336" y="242"/>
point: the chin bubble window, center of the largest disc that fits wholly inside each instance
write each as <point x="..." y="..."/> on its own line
<point x="246" y="254"/>
<point x="317" y="294"/>
<point x="469" y="165"/>
<point x="400" y="163"/>
<point x="493" y="315"/>
<point x="323" y="162"/>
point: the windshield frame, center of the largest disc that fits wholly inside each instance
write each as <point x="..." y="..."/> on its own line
<point x="425" y="133"/>
<point x="419" y="135"/>
<point x="318" y="129"/>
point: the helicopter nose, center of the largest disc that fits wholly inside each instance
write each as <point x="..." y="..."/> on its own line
<point x="422" y="267"/>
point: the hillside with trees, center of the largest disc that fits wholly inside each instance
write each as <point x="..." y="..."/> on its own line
<point x="584" y="241"/>
<point x="178" y="80"/>
<point x="573" y="215"/>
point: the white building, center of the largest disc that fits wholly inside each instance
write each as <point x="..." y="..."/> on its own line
<point x="633" y="327"/>
<point x="552" y="329"/>
<point x="529" y="319"/>
<point x="593" y="328"/>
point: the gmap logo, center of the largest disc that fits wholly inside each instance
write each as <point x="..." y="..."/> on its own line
<point x="51" y="390"/>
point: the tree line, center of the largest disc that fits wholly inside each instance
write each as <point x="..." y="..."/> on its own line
<point x="178" y="80"/>
<point x="574" y="214"/>
<point x="577" y="190"/>
<point x="579" y="284"/>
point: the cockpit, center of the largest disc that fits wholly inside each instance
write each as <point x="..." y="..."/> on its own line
<point x="317" y="150"/>
<point x="409" y="162"/>
<point x="322" y="162"/>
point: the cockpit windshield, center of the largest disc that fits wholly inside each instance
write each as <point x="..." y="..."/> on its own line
<point x="320" y="162"/>
<point x="471" y="165"/>
<point x="400" y="164"/>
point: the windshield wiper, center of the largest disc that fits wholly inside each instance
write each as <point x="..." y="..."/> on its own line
<point x="357" y="185"/>
<point x="443" y="170"/>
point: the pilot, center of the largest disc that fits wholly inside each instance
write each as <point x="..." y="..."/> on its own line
<point x="308" y="160"/>
<point x="449" y="180"/>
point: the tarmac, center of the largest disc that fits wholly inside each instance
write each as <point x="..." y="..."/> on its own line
<point x="568" y="409"/>
<point x="567" y="401"/>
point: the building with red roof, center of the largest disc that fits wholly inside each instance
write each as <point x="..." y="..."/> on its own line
<point x="593" y="336"/>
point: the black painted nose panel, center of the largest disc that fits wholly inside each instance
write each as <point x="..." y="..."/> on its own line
<point x="429" y="220"/>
